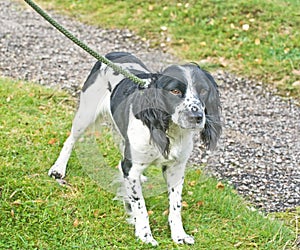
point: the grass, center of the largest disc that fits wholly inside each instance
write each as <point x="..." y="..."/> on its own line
<point x="256" y="39"/>
<point x="37" y="213"/>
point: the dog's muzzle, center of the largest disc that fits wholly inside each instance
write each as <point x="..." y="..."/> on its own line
<point x="193" y="118"/>
<point x="196" y="115"/>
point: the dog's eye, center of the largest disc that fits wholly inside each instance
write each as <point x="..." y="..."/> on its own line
<point x="203" y="92"/>
<point x="176" y="92"/>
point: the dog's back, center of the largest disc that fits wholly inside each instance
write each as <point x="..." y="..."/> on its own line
<point x="103" y="79"/>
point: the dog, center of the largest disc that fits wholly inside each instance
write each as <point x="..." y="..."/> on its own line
<point x="157" y="123"/>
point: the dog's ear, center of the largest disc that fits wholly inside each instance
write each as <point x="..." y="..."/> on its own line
<point x="212" y="130"/>
<point x="158" y="122"/>
<point x="152" y="111"/>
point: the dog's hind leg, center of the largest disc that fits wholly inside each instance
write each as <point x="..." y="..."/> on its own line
<point x="91" y="104"/>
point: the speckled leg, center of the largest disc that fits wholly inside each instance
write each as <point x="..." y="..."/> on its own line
<point x="175" y="179"/>
<point x="139" y="214"/>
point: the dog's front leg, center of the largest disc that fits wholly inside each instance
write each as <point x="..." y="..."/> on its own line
<point x="137" y="205"/>
<point x="175" y="178"/>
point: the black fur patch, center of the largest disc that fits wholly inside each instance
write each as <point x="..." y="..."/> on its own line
<point x="213" y="127"/>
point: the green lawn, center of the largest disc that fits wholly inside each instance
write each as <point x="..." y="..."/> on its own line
<point x="253" y="38"/>
<point x="37" y="213"/>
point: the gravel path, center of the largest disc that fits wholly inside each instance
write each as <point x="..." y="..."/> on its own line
<point x="259" y="152"/>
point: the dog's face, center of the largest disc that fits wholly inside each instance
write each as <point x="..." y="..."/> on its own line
<point x="192" y="98"/>
<point x="188" y="86"/>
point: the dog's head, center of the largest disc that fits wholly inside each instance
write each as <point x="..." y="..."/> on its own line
<point x="192" y="99"/>
<point x="185" y="95"/>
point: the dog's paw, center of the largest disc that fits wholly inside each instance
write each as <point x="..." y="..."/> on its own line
<point x="148" y="239"/>
<point x="145" y="236"/>
<point x="183" y="239"/>
<point x="56" y="172"/>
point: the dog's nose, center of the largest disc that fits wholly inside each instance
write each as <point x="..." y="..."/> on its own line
<point x="194" y="108"/>
<point x="197" y="114"/>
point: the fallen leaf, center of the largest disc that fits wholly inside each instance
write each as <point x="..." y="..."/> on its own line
<point x="195" y="231"/>
<point x="200" y="203"/>
<point x="96" y="213"/>
<point x="166" y="212"/>
<point x="203" y="44"/>
<point x="184" y="204"/>
<point x="220" y="185"/>
<point x="12" y="212"/>
<point x="52" y="141"/>
<point x="150" y="212"/>
<point x="76" y="222"/>
<point x="257" y="41"/>
<point x="192" y="183"/>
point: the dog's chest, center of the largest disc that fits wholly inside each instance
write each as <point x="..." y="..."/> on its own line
<point x="181" y="143"/>
<point x="143" y="150"/>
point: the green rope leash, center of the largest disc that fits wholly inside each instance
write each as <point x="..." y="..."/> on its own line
<point x="84" y="46"/>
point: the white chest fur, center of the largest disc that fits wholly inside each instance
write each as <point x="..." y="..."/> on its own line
<point x="143" y="150"/>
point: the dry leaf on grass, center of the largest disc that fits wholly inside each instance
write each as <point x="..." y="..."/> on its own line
<point x="220" y="185"/>
<point x="192" y="183"/>
<point x="150" y="212"/>
<point x="76" y="222"/>
<point x="200" y="203"/>
<point x="166" y="212"/>
<point x="184" y="204"/>
<point x="52" y="141"/>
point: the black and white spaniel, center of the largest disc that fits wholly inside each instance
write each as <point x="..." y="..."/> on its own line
<point x="157" y="123"/>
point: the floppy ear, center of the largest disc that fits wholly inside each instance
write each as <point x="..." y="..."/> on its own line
<point x="152" y="111"/>
<point x="212" y="129"/>
<point x="158" y="122"/>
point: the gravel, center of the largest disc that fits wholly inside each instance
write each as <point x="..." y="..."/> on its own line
<point x="259" y="152"/>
